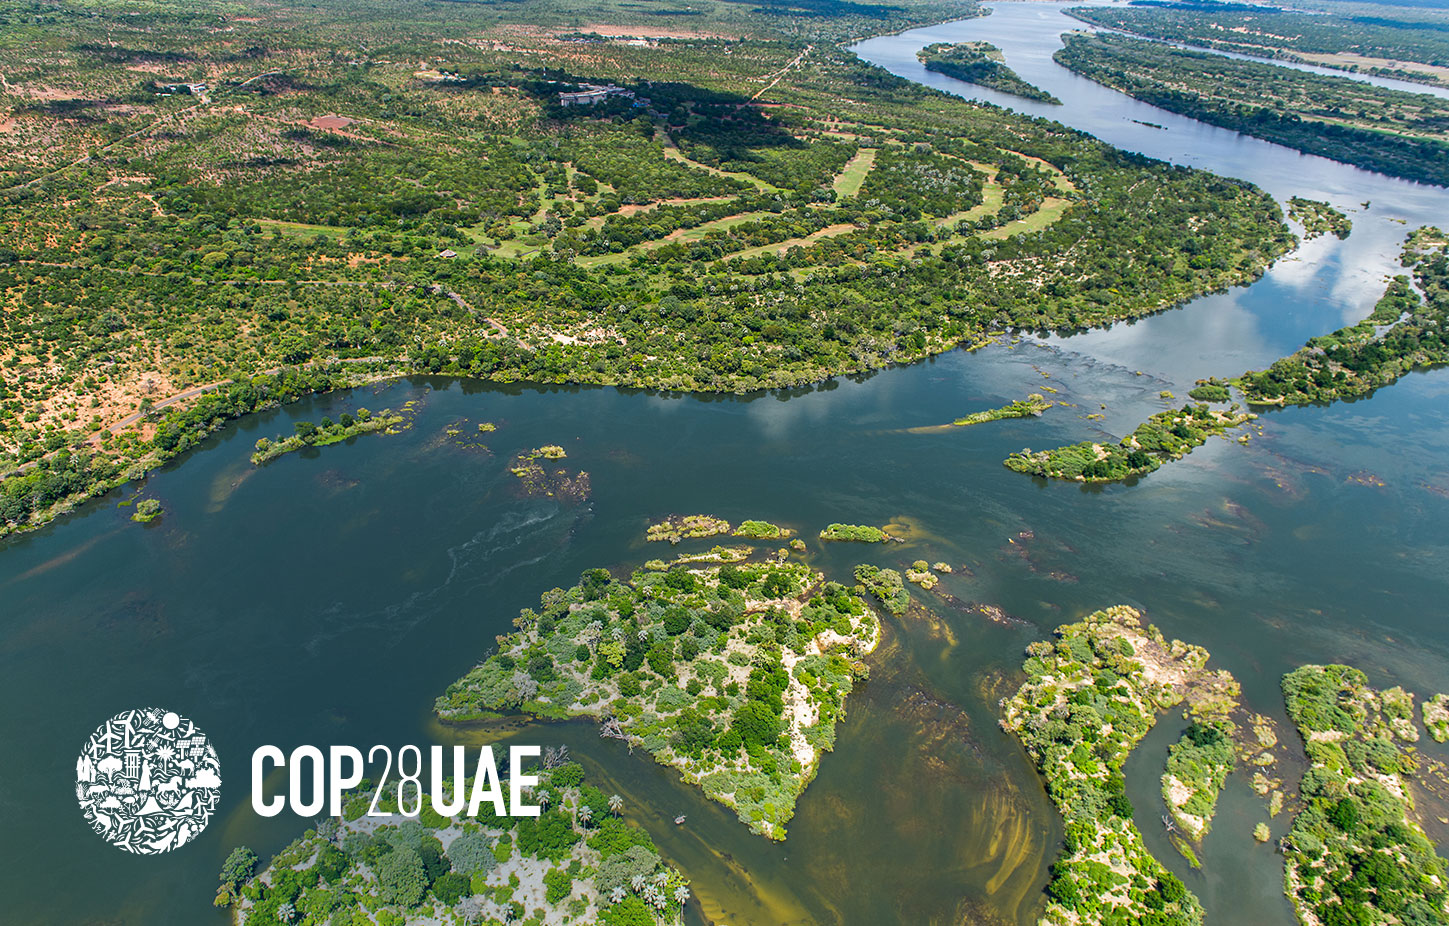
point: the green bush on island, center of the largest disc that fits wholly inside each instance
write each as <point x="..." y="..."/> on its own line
<point x="1436" y="717"/>
<point x="736" y="675"/>
<point x="886" y="585"/>
<point x="1318" y="217"/>
<point x="1402" y="333"/>
<point x="328" y="432"/>
<point x="685" y="527"/>
<point x="1166" y="436"/>
<point x="579" y="856"/>
<point x="1030" y="407"/>
<point x="147" y="510"/>
<point x="980" y="63"/>
<point x="1210" y="390"/>
<point x="860" y="533"/>
<point x="762" y="530"/>
<point x="1197" y="768"/>
<point x="1355" y="853"/>
<point x="1089" y="698"/>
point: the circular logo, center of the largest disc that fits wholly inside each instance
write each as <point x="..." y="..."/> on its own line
<point x="148" y="780"/>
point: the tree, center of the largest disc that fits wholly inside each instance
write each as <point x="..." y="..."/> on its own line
<point x="471" y="853"/>
<point x="586" y="815"/>
<point x="616" y="804"/>
<point x="238" y="867"/>
<point x="401" y="878"/>
<point x="631" y="911"/>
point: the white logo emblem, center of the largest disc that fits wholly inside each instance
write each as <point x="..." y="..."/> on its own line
<point x="148" y="780"/>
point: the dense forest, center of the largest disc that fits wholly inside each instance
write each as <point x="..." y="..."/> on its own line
<point x="1396" y="133"/>
<point x="1356" y="855"/>
<point x="313" y="215"/>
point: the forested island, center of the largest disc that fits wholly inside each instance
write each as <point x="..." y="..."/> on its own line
<point x="1030" y="407"/>
<point x="327" y="432"/>
<point x="735" y="675"/>
<point x="1318" y="218"/>
<point x="1089" y="697"/>
<point x="580" y="861"/>
<point x="1390" y="131"/>
<point x="981" y="63"/>
<point x="1166" y="436"/>
<point x="1355" y="853"/>
<point x="1404" y="332"/>
<point x="311" y="217"/>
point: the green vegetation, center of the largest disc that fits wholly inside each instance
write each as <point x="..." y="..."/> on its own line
<point x="1030" y="407"/>
<point x="1436" y="717"/>
<point x="1166" y="436"/>
<point x="1403" y="333"/>
<point x="860" y="533"/>
<point x="326" y="209"/>
<point x="346" y="427"/>
<point x="886" y="585"/>
<point x="762" y="530"/>
<point x="1088" y="699"/>
<point x="578" y="862"/>
<point x="980" y="63"/>
<point x="1387" y="41"/>
<point x="1197" y="767"/>
<point x="676" y="528"/>
<point x="1396" y="133"/>
<point x="1209" y="391"/>
<point x="734" y="675"/>
<point x="147" y="510"/>
<point x="1355" y="854"/>
<point x="921" y="574"/>
<point x="52" y="484"/>
<point x="1318" y="217"/>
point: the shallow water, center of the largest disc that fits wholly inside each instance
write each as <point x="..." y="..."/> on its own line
<point x="330" y="596"/>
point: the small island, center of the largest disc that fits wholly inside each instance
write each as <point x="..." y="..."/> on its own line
<point x="580" y="861"/>
<point x="981" y="63"/>
<point x="1030" y="407"/>
<point x="1166" y="436"/>
<point x="1318" y="218"/>
<point x="762" y="530"/>
<point x="736" y="675"/>
<point x="1089" y="698"/>
<point x="858" y="533"/>
<point x="1436" y="717"/>
<point x="1355" y="853"/>
<point x="686" y="527"/>
<point x="147" y="510"/>
<point x="320" y="435"/>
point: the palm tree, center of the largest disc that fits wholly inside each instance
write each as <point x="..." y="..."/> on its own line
<point x="618" y="894"/>
<point x="638" y="883"/>
<point x="286" y="912"/>
<point x="616" y="804"/>
<point x="586" y="815"/>
<point x="681" y="897"/>
<point x="543" y="797"/>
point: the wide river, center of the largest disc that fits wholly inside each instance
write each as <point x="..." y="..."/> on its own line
<point x="330" y="596"/>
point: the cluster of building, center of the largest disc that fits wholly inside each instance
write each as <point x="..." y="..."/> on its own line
<point x="596" y="93"/>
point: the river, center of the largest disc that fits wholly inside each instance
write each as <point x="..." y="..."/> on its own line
<point x="330" y="596"/>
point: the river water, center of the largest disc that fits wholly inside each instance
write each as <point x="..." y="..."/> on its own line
<point x="330" y="596"/>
